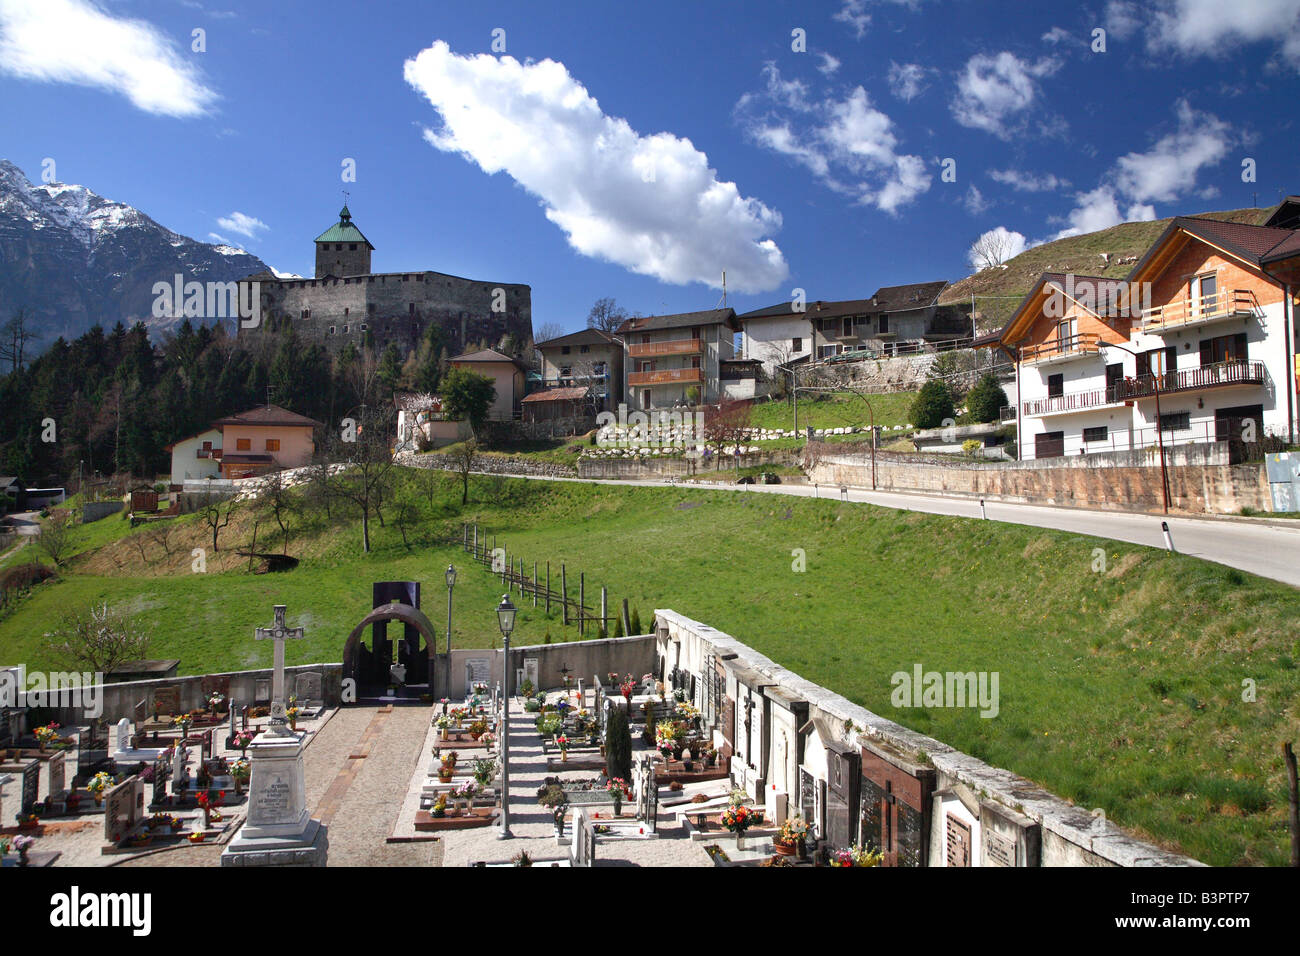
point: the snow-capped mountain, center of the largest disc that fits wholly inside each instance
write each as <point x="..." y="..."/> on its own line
<point x="73" y="259"/>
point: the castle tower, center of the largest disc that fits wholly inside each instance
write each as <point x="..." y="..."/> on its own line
<point x="342" y="250"/>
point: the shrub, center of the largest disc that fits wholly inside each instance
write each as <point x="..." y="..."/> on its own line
<point x="971" y="446"/>
<point x="635" y="622"/>
<point x="618" y="745"/>
<point x="932" y="405"/>
<point x="985" y="401"/>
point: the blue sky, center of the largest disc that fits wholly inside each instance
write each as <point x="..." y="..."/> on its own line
<point x="637" y="150"/>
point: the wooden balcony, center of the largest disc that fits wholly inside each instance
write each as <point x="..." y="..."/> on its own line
<point x="1189" y="379"/>
<point x="1227" y="304"/>
<point x="674" y="347"/>
<point x="1057" y="350"/>
<point x="667" y="376"/>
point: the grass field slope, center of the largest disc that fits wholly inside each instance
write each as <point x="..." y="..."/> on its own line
<point x="1154" y="685"/>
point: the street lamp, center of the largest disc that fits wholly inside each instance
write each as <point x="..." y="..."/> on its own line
<point x="451" y="583"/>
<point x="506" y="612"/>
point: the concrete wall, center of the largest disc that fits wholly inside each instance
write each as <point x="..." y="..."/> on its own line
<point x="583" y="659"/>
<point x="119" y="700"/>
<point x="491" y="465"/>
<point x="94" y="510"/>
<point x="1071" y="835"/>
<point x="1200" y="478"/>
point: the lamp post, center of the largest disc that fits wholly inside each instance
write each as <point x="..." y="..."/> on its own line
<point x="451" y="583"/>
<point x="506" y="618"/>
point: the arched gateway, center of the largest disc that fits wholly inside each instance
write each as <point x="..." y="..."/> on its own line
<point x="373" y="667"/>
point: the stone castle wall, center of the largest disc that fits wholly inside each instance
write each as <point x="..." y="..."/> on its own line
<point x="395" y="308"/>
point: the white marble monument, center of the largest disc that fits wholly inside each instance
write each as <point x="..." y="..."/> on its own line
<point x="278" y="830"/>
<point x="124" y="753"/>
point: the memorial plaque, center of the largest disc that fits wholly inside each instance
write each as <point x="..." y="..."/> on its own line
<point x="958" y="842"/>
<point x="31" y="786"/>
<point x="274" y="803"/>
<point x="215" y="684"/>
<point x="998" y="850"/>
<point x="58" y="773"/>
<point x="478" y="670"/>
<point x="262" y="690"/>
<point x="140" y="713"/>
<point x="307" y="686"/>
<point x="167" y="700"/>
<point x="119" y="809"/>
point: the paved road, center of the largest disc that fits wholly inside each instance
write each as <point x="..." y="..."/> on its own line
<point x="1270" y="549"/>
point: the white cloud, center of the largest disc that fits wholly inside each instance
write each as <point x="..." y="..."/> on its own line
<point x="854" y="13"/>
<point x="1100" y="209"/>
<point x="1171" y="166"/>
<point x="1209" y="27"/>
<point x="848" y="144"/>
<point x="1028" y="182"/>
<point x="993" y="90"/>
<point x="828" y="65"/>
<point x="74" y="41"/>
<point x="974" y="201"/>
<point x="248" y="226"/>
<point x="907" y="80"/>
<point x="648" y="203"/>
<point x="1057" y="35"/>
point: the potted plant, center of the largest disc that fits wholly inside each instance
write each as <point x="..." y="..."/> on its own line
<point x="23" y="845"/>
<point x="439" y="806"/>
<point x="553" y="797"/>
<point x="856" y="856"/>
<point x="28" y="821"/>
<point x="215" y="700"/>
<point x="563" y="743"/>
<point x="478" y="728"/>
<point x="98" y="784"/>
<point x="184" y="722"/>
<point x="292" y="713"/>
<point x="738" y="818"/>
<point x="46" y="735"/>
<point x="791" y="838"/>
<point x="521" y="859"/>
<point x="617" y="788"/>
<point x="208" y="802"/>
<point x="240" y="772"/>
<point x="464" y="795"/>
<point x="443" y="723"/>
<point x="485" y="770"/>
<point x="447" y="767"/>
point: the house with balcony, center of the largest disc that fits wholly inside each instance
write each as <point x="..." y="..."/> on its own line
<point x="590" y="359"/>
<point x="196" y="456"/>
<point x="676" y="360"/>
<point x="1196" y="344"/>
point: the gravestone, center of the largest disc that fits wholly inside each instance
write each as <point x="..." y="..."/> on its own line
<point x="214" y="684"/>
<point x="307" y="688"/>
<point x="140" y="712"/>
<point x="31" y="786"/>
<point x="123" y="752"/>
<point x="58" y="773"/>
<point x="530" y="671"/>
<point x="5" y="781"/>
<point x="123" y="809"/>
<point x="178" y="767"/>
<point x="167" y="700"/>
<point x="158" y="782"/>
<point x="478" y="670"/>
<point x="262" y="690"/>
<point x="1008" y="838"/>
<point x="582" y="839"/>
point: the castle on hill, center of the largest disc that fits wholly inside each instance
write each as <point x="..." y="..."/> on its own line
<point x="346" y="302"/>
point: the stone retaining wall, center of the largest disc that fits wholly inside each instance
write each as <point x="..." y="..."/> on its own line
<point x="1201" y="480"/>
<point x="491" y="465"/>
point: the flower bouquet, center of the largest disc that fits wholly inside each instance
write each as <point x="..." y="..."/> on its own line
<point x="738" y="818"/>
<point x="46" y="735"/>
<point x="98" y="784"/>
<point x="856" y="856"/>
<point x="563" y="743"/>
<point x="791" y="837"/>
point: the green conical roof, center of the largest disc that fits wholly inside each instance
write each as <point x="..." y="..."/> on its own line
<point x="343" y="230"/>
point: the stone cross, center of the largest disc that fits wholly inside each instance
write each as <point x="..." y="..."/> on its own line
<point x="279" y="633"/>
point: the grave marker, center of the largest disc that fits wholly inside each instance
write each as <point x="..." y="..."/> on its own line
<point x="31" y="786"/>
<point x="278" y="633"/>
<point x="58" y="773"/>
<point x="123" y="809"/>
<point x="167" y="700"/>
<point x="478" y="670"/>
<point x="530" y="671"/>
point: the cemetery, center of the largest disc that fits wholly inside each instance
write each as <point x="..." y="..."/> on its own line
<point x="684" y="747"/>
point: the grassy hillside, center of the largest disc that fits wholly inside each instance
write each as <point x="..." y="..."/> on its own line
<point x="1120" y="689"/>
<point x="999" y="290"/>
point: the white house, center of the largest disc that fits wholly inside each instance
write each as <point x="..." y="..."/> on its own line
<point x="196" y="457"/>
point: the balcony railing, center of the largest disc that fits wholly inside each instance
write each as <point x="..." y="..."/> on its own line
<point x="1229" y="302"/>
<point x="675" y="347"/>
<point x="1085" y="343"/>
<point x="668" y="376"/>
<point x="1073" y="402"/>
<point x="1204" y="376"/>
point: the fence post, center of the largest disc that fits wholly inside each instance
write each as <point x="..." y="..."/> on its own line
<point x="627" y="621"/>
<point x="604" y="607"/>
<point x="582" y="600"/>
<point x="548" y="588"/>
<point x="564" y="588"/>
<point x="534" y="584"/>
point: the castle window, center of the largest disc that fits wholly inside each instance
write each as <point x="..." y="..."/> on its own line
<point x="371" y="308"/>
<point x="331" y="330"/>
<point x="585" y="349"/>
<point x="345" y="330"/>
<point x="564" y="350"/>
<point x="306" y="313"/>
<point x="338" y="247"/>
<point x="411" y="310"/>
<point x="364" y="327"/>
<point x="352" y="247"/>
<point x="347" y="311"/>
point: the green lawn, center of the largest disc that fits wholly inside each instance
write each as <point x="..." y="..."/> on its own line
<point x="1119" y="689"/>
<point x="833" y="410"/>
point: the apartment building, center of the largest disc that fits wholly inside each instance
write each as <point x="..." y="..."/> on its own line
<point x="675" y="360"/>
<point x="589" y="359"/>
<point x="1196" y="344"/>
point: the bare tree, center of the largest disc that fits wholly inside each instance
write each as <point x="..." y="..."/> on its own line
<point x="55" y="539"/>
<point x="726" y="423"/>
<point x="364" y="448"/>
<point x="99" y="638"/>
<point x="216" y="514"/>
<point x="463" y="456"/>
<point x="14" y="336"/>
<point x="548" y="331"/>
<point x="606" y="315"/>
<point x="994" y="248"/>
<point x="277" y="500"/>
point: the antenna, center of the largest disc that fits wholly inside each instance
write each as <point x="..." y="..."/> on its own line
<point x="723" y="303"/>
